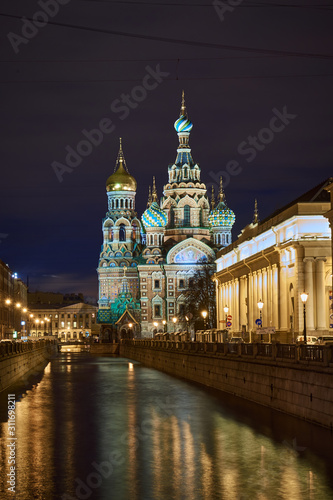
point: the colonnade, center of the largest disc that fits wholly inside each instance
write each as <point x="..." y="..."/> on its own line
<point x="279" y="292"/>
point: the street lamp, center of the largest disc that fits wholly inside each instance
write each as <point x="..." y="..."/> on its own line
<point x="204" y="315"/>
<point x="155" y="325"/>
<point x="164" y="325"/>
<point x="187" y="320"/>
<point x="304" y="298"/>
<point x="37" y="325"/>
<point x="260" y="305"/>
<point x="226" y="310"/>
<point x="174" y="319"/>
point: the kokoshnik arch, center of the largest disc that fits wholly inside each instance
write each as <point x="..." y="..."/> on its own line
<point x="146" y="265"/>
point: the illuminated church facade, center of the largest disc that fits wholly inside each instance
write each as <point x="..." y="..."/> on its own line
<point x="146" y="264"/>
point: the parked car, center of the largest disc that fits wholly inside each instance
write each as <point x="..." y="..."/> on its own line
<point x="327" y="339"/>
<point x="310" y="340"/>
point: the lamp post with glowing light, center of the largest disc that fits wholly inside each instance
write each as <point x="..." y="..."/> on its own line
<point x="130" y="326"/>
<point x="226" y="310"/>
<point x="260" y="306"/>
<point x="174" y="319"/>
<point x="37" y="325"/>
<point x="304" y="298"/>
<point x="155" y="325"/>
<point x="164" y="325"/>
<point x="204" y="315"/>
<point x="187" y="320"/>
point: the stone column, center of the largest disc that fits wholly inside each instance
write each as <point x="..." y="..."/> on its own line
<point x="242" y="302"/>
<point x="265" y="311"/>
<point x="275" y="295"/>
<point x="320" y="293"/>
<point x="218" y="304"/>
<point x="236" y="303"/>
<point x="255" y="299"/>
<point x="308" y="285"/>
<point x="250" y="302"/>
<point x="283" y="296"/>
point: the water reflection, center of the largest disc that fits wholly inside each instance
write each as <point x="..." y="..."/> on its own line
<point x="105" y="428"/>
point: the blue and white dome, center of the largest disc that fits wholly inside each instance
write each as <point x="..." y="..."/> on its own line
<point x="221" y="216"/>
<point x="183" y="124"/>
<point x="154" y="216"/>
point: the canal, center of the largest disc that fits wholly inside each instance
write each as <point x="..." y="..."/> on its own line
<point x="106" y="428"/>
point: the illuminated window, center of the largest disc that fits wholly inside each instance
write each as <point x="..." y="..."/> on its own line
<point x="181" y="284"/>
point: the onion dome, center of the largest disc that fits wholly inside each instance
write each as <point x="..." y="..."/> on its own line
<point x="183" y="124"/>
<point x="221" y="215"/>
<point x="121" y="179"/>
<point x="154" y="216"/>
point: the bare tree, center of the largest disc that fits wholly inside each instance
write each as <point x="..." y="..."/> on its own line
<point x="201" y="296"/>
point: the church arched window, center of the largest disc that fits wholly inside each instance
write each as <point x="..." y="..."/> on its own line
<point x="122" y="232"/>
<point x="223" y="239"/>
<point x="187" y="216"/>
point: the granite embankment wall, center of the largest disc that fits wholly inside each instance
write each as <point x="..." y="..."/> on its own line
<point x="17" y="359"/>
<point x="297" y="380"/>
<point x="104" y="348"/>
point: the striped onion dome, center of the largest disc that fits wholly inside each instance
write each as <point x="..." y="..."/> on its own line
<point x="221" y="216"/>
<point x="154" y="216"/>
<point x="183" y="124"/>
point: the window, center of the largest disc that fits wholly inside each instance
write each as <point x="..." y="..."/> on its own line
<point x="181" y="284"/>
<point x="191" y="282"/>
<point x="68" y="315"/>
<point x="68" y="324"/>
<point x="181" y="309"/>
<point x="187" y="216"/>
<point x="156" y="283"/>
<point x="74" y="324"/>
<point x="157" y="310"/>
<point x="62" y="324"/>
<point x="122" y="233"/>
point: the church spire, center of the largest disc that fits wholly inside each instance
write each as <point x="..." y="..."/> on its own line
<point x="120" y="162"/>
<point x="154" y="193"/>
<point x="221" y="192"/>
<point x="183" y="111"/>
<point x="149" y="202"/>
<point x="256" y="213"/>
<point x="212" y="201"/>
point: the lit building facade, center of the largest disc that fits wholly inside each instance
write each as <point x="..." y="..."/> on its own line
<point x="273" y="262"/>
<point x="146" y="265"/>
<point x="66" y="322"/>
<point x="13" y="304"/>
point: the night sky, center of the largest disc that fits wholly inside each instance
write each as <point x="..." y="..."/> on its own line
<point x="236" y="66"/>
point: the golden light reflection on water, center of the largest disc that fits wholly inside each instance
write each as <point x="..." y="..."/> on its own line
<point x="176" y="442"/>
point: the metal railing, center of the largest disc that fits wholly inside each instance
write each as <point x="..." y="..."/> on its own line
<point x="319" y="354"/>
<point x="12" y="348"/>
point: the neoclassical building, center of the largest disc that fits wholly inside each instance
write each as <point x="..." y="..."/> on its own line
<point x="146" y="264"/>
<point x="273" y="262"/>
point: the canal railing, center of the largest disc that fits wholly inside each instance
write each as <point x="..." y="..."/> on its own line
<point x="12" y="348"/>
<point x="315" y="355"/>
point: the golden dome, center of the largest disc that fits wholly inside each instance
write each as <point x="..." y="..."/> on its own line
<point x="121" y="179"/>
